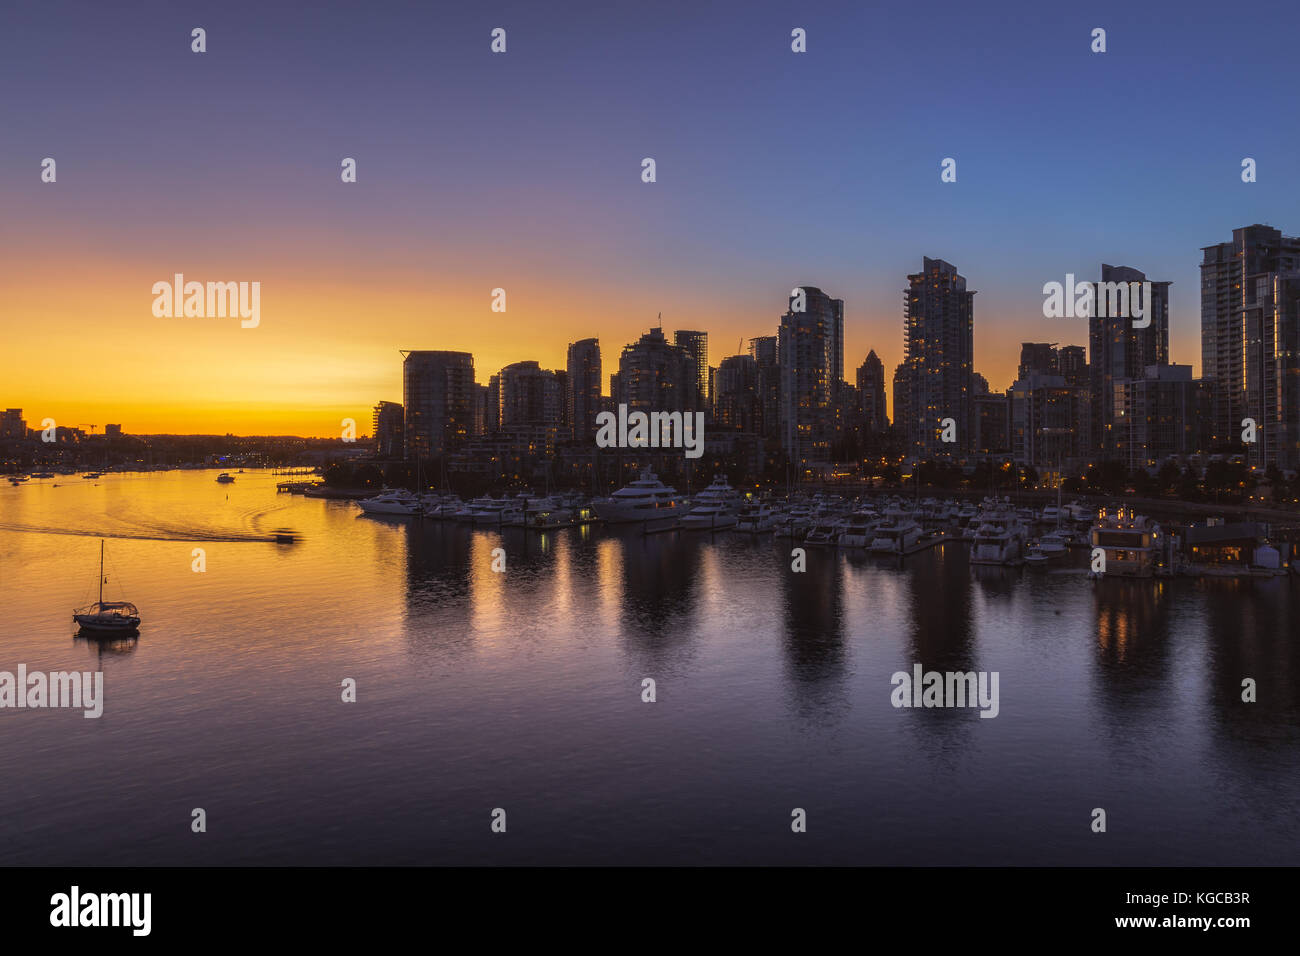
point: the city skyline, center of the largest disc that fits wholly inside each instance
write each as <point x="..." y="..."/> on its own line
<point x="494" y="188"/>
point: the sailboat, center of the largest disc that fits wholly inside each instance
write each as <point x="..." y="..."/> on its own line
<point x="107" y="617"/>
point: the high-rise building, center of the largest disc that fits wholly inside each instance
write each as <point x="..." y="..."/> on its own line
<point x="481" y="398"/>
<point x="1037" y="357"/>
<point x="1250" y="342"/>
<point x="583" y="389"/>
<point x="871" y="393"/>
<point x="902" y="383"/>
<point x="939" y="346"/>
<point x="656" y="376"/>
<point x="387" y="427"/>
<point x="1117" y="349"/>
<point x="696" y="345"/>
<point x="806" y="343"/>
<point x="531" y="400"/>
<point x="1072" y="365"/>
<point x="763" y="349"/>
<point x="530" y="395"/>
<point x="737" y="394"/>
<point x="1049" y="421"/>
<point x="562" y="382"/>
<point x="992" y="419"/>
<point x="438" y="395"/>
<point x="830" y="313"/>
<point x="492" y="406"/>
<point x="12" y="424"/>
<point x="1159" y="415"/>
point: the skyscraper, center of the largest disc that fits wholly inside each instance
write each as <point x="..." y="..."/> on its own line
<point x="438" y="394"/>
<point x="939" y="347"/>
<point x="1158" y="415"/>
<point x="830" y="313"/>
<point x="1072" y="364"/>
<point x="697" y="345"/>
<point x="1250" y="342"/>
<point x="1119" y="351"/>
<point x="583" y="388"/>
<point x="1037" y="357"/>
<point x="902" y="383"/>
<point x="763" y="349"/>
<point x="737" y="393"/>
<point x="1049" y="421"/>
<point x="871" y="393"/>
<point x="656" y="376"/>
<point x="806" y="343"/>
<point x="387" y="429"/>
<point x="530" y="406"/>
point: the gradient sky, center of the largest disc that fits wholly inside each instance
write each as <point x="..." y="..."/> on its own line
<point x="522" y="171"/>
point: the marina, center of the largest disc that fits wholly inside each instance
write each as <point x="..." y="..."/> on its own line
<point x="465" y="673"/>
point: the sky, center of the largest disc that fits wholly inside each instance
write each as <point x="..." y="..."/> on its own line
<point x="522" y="171"/>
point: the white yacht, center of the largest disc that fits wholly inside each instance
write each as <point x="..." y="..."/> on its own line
<point x="755" y="518"/>
<point x="714" y="508"/>
<point x="391" y="502"/>
<point x="1054" y="544"/>
<point x="489" y="511"/>
<point x="859" y="530"/>
<point x="897" y="535"/>
<point x="999" y="538"/>
<point x="796" y="521"/>
<point x="1076" y="512"/>
<point x="822" y="533"/>
<point x="440" y="507"/>
<point x="646" y="499"/>
<point x="1051" y="515"/>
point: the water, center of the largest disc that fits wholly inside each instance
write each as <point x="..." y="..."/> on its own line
<point x="522" y="691"/>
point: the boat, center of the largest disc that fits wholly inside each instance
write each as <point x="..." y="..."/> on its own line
<point x="391" y="502"/>
<point x="822" y="534"/>
<point x="1077" y="513"/>
<point x="1035" y="556"/>
<point x="42" y="474"/>
<point x="796" y="521"/>
<point x="1054" y="544"/>
<point x="107" y="618"/>
<point x="859" y="530"/>
<point x="91" y="474"/>
<point x="755" y="518"/>
<point x="1051" y="515"/>
<point x="714" y="508"/>
<point x="225" y="478"/>
<point x="489" y="511"/>
<point x="439" y="507"/>
<point x="999" y="536"/>
<point x="646" y="499"/>
<point x="1131" y="543"/>
<point x="898" y="535"/>
<point x="541" y="514"/>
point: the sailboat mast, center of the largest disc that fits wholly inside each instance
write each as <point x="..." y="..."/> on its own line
<point x="101" y="570"/>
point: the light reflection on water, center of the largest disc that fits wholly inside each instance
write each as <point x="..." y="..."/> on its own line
<point x="523" y="691"/>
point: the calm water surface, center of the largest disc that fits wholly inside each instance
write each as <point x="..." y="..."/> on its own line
<point x="522" y="691"/>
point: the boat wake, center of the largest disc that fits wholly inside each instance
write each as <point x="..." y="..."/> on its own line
<point x="156" y="534"/>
